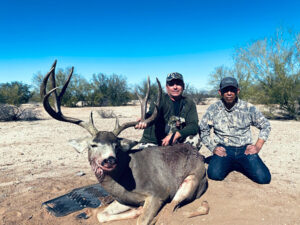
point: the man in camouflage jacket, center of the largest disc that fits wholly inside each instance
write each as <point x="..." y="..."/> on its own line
<point x="232" y="147"/>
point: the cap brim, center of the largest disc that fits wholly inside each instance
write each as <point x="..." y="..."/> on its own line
<point x="228" y="85"/>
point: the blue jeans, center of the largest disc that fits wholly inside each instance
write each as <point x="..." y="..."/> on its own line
<point x="250" y="165"/>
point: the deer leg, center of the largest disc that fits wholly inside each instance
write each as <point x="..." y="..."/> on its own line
<point x="203" y="209"/>
<point x="117" y="211"/>
<point x="186" y="190"/>
<point x="150" y="209"/>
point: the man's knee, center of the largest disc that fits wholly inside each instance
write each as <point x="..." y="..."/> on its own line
<point x="258" y="170"/>
<point x="263" y="178"/>
<point x="215" y="174"/>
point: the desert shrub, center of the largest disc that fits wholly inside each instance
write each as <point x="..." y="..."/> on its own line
<point x="14" y="93"/>
<point x="78" y="88"/>
<point x="198" y="96"/>
<point x="106" y="113"/>
<point x="108" y="90"/>
<point x="15" y="113"/>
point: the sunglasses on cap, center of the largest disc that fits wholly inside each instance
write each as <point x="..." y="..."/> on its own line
<point x="173" y="82"/>
<point x="230" y="88"/>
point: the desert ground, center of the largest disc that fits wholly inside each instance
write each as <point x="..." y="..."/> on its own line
<point x="37" y="164"/>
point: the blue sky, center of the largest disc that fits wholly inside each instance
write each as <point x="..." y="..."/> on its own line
<point x="133" y="38"/>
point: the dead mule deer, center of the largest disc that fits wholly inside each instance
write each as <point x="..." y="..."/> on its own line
<point x="140" y="181"/>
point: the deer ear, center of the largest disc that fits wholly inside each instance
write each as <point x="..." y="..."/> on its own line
<point x="80" y="144"/>
<point x="127" y="144"/>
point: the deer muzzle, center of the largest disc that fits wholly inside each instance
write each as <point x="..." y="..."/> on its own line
<point x="109" y="164"/>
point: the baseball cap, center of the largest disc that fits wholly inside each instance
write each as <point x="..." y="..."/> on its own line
<point x="228" y="81"/>
<point x="174" y="76"/>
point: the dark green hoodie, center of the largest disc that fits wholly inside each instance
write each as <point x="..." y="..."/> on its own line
<point x="187" y="110"/>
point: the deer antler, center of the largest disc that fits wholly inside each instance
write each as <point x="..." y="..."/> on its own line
<point x="118" y="129"/>
<point x="57" y="113"/>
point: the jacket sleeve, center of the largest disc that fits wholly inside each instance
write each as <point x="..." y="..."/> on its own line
<point x="206" y="125"/>
<point x="191" y="119"/>
<point x="260" y="122"/>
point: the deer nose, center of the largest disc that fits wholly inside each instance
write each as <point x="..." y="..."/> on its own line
<point x="110" y="160"/>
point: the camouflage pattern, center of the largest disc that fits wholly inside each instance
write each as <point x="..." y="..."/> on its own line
<point x="232" y="127"/>
<point x="174" y="76"/>
<point x="175" y="123"/>
<point x="193" y="140"/>
<point x="141" y="146"/>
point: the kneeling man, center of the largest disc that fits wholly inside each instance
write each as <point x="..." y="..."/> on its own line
<point x="232" y="147"/>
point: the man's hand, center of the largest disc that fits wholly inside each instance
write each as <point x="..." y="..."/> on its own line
<point x="140" y="125"/>
<point x="167" y="139"/>
<point x="254" y="149"/>
<point x="251" y="149"/>
<point x="220" y="151"/>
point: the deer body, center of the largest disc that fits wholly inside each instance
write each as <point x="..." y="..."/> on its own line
<point x="157" y="171"/>
<point x="141" y="181"/>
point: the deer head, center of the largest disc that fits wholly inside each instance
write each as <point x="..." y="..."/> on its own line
<point x="103" y="145"/>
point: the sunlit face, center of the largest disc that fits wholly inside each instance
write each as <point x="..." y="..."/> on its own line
<point x="174" y="88"/>
<point x="229" y="94"/>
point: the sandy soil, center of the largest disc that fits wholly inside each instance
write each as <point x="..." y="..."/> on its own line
<point x="37" y="164"/>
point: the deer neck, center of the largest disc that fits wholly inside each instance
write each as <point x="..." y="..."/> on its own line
<point x="121" y="175"/>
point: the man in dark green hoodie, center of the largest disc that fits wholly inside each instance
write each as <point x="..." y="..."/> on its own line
<point x="177" y="116"/>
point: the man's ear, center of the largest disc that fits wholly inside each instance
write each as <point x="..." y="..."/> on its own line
<point x="80" y="144"/>
<point x="238" y="91"/>
<point x="220" y="93"/>
<point x="127" y="144"/>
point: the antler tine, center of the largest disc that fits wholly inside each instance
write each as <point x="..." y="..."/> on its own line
<point x="118" y="129"/>
<point x="151" y="119"/>
<point x="57" y="114"/>
<point x="66" y="84"/>
<point x="53" y="84"/>
<point x="143" y="101"/>
<point x="91" y="126"/>
<point x="117" y="126"/>
<point x="44" y="83"/>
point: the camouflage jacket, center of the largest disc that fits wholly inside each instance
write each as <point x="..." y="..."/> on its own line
<point x="232" y="127"/>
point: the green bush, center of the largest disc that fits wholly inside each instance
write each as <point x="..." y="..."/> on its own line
<point x="14" y="93"/>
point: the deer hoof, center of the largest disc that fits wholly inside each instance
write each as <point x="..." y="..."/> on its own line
<point x="82" y="216"/>
<point x="202" y="210"/>
<point x="85" y="215"/>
